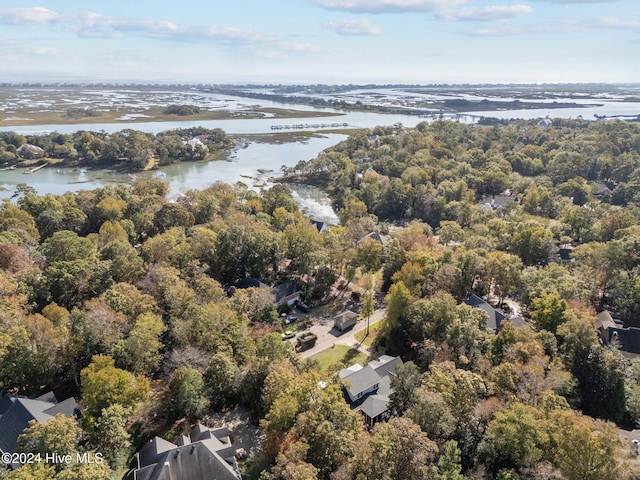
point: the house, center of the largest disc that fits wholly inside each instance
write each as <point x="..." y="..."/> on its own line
<point x="345" y="320"/>
<point x="495" y="316"/>
<point x="16" y="412"/>
<point x="564" y="253"/>
<point x="495" y="202"/>
<point x="321" y="226"/>
<point x="286" y="293"/>
<point x="194" y="143"/>
<point x="614" y="333"/>
<point x="29" y="151"/>
<point x="604" y="189"/>
<point x="367" y="389"/>
<point x="545" y="122"/>
<point x="376" y="237"/>
<point x="204" y="454"/>
<point x="248" y="282"/>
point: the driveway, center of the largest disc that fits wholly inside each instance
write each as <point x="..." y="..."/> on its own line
<point x="328" y="336"/>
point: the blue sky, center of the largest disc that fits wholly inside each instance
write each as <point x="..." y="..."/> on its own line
<point x="321" y="41"/>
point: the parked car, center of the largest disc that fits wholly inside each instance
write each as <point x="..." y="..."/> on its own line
<point x="288" y="334"/>
<point x="291" y="319"/>
<point x="302" y="306"/>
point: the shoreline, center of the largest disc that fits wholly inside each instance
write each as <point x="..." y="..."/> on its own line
<point x="35" y="119"/>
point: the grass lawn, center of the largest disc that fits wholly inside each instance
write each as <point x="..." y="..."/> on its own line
<point x="339" y="353"/>
<point x="374" y="328"/>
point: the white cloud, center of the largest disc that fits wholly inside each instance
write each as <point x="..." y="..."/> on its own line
<point x="96" y="25"/>
<point x="33" y="15"/>
<point x="484" y="14"/>
<point x="388" y="6"/>
<point x="359" y="26"/>
<point x="43" y="51"/>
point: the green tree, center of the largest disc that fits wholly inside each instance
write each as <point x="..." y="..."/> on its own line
<point x="187" y="391"/>
<point x="548" y="311"/>
<point x="292" y="465"/>
<point x="223" y="379"/>
<point x="534" y="245"/>
<point x="59" y="435"/>
<point x="33" y="471"/>
<point x="66" y="246"/>
<point x="397" y="449"/>
<point x="173" y="215"/>
<point x="449" y="465"/>
<point x="86" y="471"/>
<point x="584" y="449"/>
<point x="600" y="383"/>
<point x="110" y="436"/>
<point x="515" y="438"/>
<point x="430" y="411"/>
<point x="503" y="271"/>
<point x="104" y="385"/>
<point x="141" y="349"/>
<point x="404" y="383"/>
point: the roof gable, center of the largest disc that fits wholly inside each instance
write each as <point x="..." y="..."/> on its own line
<point x="206" y="454"/>
<point x="362" y="380"/>
<point x="16" y="413"/>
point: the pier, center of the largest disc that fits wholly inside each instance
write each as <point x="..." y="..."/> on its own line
<point x="35" y="169"/>
<point x="301" y="126"/>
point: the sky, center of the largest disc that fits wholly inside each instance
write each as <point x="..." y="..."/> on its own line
<point x="320" y="41"/>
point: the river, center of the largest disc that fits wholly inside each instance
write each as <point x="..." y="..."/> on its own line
<point x="257" y="161"/>
<point x="253" y="165"/>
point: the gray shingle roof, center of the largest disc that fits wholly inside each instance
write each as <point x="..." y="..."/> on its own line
<point x="283" y="291"/>
<point x="628" y="339"/>
<point x="385" y="365"/>
<point x="361" y="381"/>
<point x="494" y="315"/>
<point x="373" y="383"/>
<point x="16" y="413"/>
<point x="375" y="405"/>
<point x="205" y="455"/>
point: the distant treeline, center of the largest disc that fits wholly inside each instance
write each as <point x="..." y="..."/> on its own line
<point x="128" y="148"/>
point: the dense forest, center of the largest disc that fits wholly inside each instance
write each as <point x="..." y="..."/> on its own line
<point x="128" y="149"/>
<point x="119" y="297"/>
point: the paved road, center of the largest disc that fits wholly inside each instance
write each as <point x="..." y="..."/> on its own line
<point x="328" y="336"/>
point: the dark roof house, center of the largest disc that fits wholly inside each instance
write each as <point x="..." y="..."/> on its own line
<point x="367" y="388"/>
<point x="495" y="316"/>
<point x="376" y="237"/>
<point x="614" y="333"/>
<point x="321" y="226"/>
<point x="248" y="282"/>
<point x="205" y="454"/>
<point x="16" y="412"/>
<point x="286" y="293"/>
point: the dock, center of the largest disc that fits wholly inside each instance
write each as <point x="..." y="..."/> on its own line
<point x="35" y="169"/>
<point x="300" y="126"/>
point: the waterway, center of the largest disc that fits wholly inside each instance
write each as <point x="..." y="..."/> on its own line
<point x="252" y="165"/>
<point x="256" y="162"/>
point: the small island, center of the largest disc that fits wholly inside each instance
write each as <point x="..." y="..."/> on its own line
<point x="128" y="150"/>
